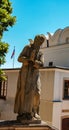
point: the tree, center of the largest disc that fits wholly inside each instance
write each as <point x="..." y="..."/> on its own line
<point x="6" y="21"/>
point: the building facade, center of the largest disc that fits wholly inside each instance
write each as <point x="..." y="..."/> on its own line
<point x="54" y="102"/>
<point x="56" y="48"/>
<point x="54" y="105"/>
<point x="55" y="88"/>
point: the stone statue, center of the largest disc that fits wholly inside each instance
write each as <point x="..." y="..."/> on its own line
<point x="27" y="98"/>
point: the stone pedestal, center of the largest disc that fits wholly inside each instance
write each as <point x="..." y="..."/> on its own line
<point x="12" y="125"/>
<point x="26" y="128"/>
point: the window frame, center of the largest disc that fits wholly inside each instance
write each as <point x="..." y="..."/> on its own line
<point x="66" y="97"/>
<point x="67" y="39"/>
<point x="3" y="89"/>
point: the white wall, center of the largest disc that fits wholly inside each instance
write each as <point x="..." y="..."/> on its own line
<point x="56" y="118"/>
<point x="58" y="80"/>
<point x="59" y="55"/>
<point x="58" y="107"/>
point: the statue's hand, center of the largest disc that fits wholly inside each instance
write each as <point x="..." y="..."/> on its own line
<point x="36" y="64"/>
<point x="25" y="61"/>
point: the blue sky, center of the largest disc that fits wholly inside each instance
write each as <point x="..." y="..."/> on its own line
<point x="34" y="17"/>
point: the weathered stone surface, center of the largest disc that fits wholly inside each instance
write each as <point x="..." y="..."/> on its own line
<point x="27" y="98"/>
<point x="15" y="125"/>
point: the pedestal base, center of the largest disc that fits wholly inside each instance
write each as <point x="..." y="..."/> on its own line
<point x="14" y="125"/>
<point x="27" y="120"/>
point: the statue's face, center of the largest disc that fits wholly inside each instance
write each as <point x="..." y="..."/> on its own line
<point x="38" y="41"/>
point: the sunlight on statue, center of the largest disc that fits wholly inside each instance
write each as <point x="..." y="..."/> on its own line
<point x="27" y="98"/>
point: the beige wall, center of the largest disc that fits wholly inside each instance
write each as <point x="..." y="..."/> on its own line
<point x="47" y="89"/>
<point x="47" y="84"/>
<point x="12" y="81"/>
<point x="51" y="101"/>
<point x="46" y="108"/>
<point x="47" y="81"/>
<point x="7" y="106"/>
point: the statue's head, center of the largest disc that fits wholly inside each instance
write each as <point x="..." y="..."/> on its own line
<point x="38" y="40"/>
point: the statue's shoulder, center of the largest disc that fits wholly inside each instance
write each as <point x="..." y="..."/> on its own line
<point x="26" y="48"/>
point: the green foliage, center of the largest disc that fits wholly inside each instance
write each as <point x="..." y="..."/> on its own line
<point x="2" y="75"/>
<point x="6" y="21"/>
<point x="3" y="50"/>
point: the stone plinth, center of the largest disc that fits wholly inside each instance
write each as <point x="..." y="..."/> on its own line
<point x="25" y="128"/>
<point x="13" y="125"/>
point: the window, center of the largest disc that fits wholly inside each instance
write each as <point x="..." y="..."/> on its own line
<point x="65" y="124"/>
<point x="47" y="43"/>
<point x="3" y="89"/>
<point x="67" y="40"/>
<point x="50" y="63"/>
<point x="66" y="89"/>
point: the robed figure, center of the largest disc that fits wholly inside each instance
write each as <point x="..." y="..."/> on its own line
<point x="27" y="98"/>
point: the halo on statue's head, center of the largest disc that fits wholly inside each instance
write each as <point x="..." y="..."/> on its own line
<point x="31" y="41"/>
